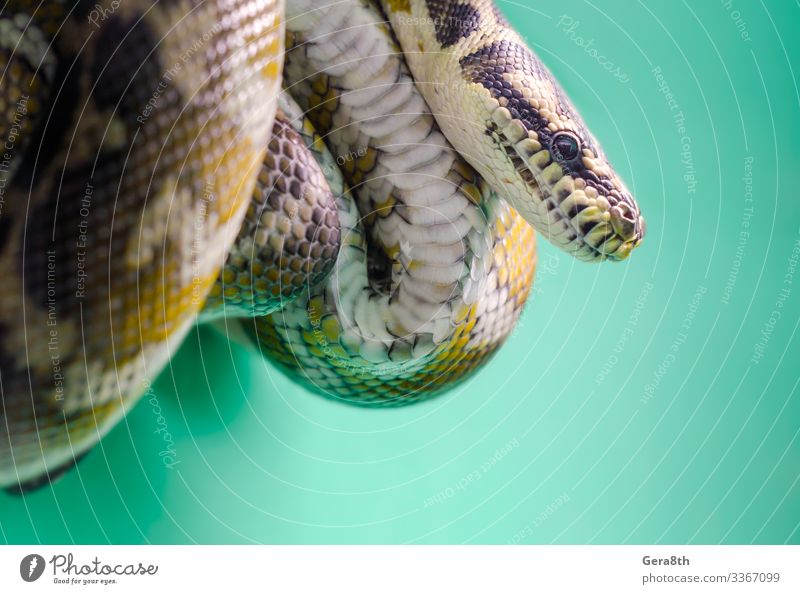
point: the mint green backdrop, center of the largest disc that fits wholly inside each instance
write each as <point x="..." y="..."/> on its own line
<point x="653" y="401"/>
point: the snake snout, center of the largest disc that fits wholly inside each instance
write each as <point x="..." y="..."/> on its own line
<point x="623" y="220"/>
<point x="628" y="225"/>
<point x="608" y="225"/>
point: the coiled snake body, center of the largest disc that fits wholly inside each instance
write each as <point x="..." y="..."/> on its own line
<point x="378" y="251"/>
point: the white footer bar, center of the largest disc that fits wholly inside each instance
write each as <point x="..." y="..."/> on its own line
<point x="400" y="569"/>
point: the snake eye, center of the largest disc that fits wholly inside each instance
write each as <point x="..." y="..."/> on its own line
<point x="565" y="146"/>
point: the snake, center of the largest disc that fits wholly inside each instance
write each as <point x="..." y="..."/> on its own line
<point x="351" y="187"/>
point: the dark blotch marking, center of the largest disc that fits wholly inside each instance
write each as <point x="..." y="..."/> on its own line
<point x="126" y="72"/>
<point x="53" y="226"/>
<point x="573" y="212"/>
<point x="488" y="67"/>
<point x="453" y="20"/>
<point x="15" y="397"/>
<point x="5" y="229"/>
<point x="51" y="236"/>
<point x="55" y="118"/>
<point x="379" y="269"/>
<point x="586" y="228"/>
<point x="600" y="183"/>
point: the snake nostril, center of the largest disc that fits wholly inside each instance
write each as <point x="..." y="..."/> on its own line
<point x="623" y="220"/>
<point x="627" y="211"/>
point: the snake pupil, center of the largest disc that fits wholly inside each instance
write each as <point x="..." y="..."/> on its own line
<point x="565" y="146"/>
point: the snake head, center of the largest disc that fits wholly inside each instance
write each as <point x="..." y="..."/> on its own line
<point x="550" y="166"/>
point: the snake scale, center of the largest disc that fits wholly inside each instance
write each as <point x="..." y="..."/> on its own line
<point x="370" y="227"/>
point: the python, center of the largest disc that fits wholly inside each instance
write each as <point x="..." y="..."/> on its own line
<point x="381" y="282"/>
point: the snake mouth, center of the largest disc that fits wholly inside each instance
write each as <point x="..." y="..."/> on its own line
<point x="590" y="216"/>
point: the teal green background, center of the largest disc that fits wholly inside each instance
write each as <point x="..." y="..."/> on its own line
<point x="551" y="443"/>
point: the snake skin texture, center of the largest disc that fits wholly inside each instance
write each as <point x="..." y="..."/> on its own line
<point x="435" y="283"/>
<point x="121" y="192"/>
<point x="29" y="71"/>
<point x="505" y="112"/>
<point x="289" y="239"/>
